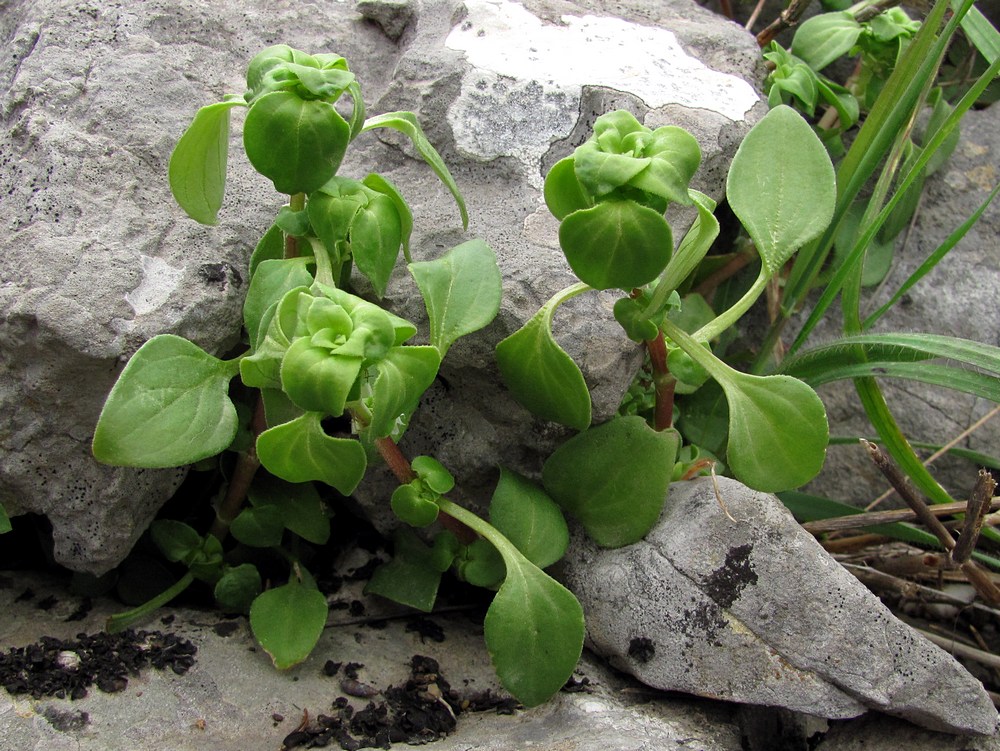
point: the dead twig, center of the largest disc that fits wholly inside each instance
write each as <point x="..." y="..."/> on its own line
<point x="873" y="518"/>
<point x="980" y="504"/>
<point x="977" y="577"/>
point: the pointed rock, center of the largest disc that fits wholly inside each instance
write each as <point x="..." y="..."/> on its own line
<point x="755" y="611"/>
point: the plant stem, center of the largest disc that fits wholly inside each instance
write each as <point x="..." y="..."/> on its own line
<point x="789" y="17"/>
<point x="121" y="621"/>
<point x="296" y="202"/>
<point x="239" y="484"/>
<point x="722" y="322"/>
<point x="663" y="382"/>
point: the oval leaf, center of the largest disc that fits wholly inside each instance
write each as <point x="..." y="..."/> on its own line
<point x="614" y="478"/>
<point x="616" y="244"/>
<point x="170" y="407"/>
<point x="299" y="451"/>
<point x="778" y="431"/>
<point x="260" y="527"/>
<point x="376" y="236"/>
<point x="403" y="377"/>
<point x="781" y="186"/>
<point x="534" y="632"/>
<point x="296" y="143"/>
<point x="288" y="621"/>
<point x="238" y="588"/>
<point x="541" y="376"/>
<point x="461" y="291"/>
<point x="822" y="39"/>
<point x="526" y="516"/>
<point x="197" y="169"/>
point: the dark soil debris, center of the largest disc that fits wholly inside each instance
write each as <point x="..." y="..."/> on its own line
<point x="82" y="610"/>
<point x="425" y="628"/>
<point x="421" y="711"/>
<point x="67" y="669"/>
<point x="226" y="628"/>
<point x="47" y="603"/>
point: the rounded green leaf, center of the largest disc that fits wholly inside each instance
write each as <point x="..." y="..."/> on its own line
<point x="822" y="39"/>
<point x="413" y="575"/>
<point x="404" y="374"/>
<point x="259" y="527"/>
<point x="614" y="478"/>
<point x="288" y="621"/>
<point x="481" y="565"/>
<point x="411" y="507"/>
<point x="176" y="540"/>
<point x="529" y="518"/>
<point x="433" y="474"/>
<point x="564" y="193"/>
<point x="534" y="633"/>
<point x="616" y="244"/>
<point x="781" y="186"/>
<point x="778" y="431"/>
<point x="170" y="407"/>
<point x="296" y="143"/>
<point x="541" y="376"/>
<point x="238" y="588"/>
<point x="299" y="451"/>
<point x="317" y="380"/>
<point x="300" y="505"/>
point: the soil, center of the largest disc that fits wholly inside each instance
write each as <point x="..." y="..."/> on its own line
<point x="423" y="710"/>
<point x="68" y="668"/>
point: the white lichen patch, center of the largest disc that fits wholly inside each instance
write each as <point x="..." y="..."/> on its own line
<point x="159" y="280"/>
<point x="525" y="75"/>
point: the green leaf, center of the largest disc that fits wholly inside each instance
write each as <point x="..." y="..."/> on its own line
<point x="411" y="507"/>
<point x="297" y="144"/>
<point x="433" y="474"/>
<point x="540" y="375"/>
<point x="238" y="588"/>
<point x="617" y="243"/>
<point x="299" y="451"/>
<point x="533" y="631"/>
<point x="778" y="431"/>
<point x="564" y="193"/>
<point x="614" y="478"/>
<point x="288" y="621"/>
<point x="406" y="123"/>
<point x="403" y="377"/>
<point x="461" y="291"/>
<point x="376" y="236"/>
<point x="302" y="510"/>
<point x="270" y="247"/>
<point x="170" y="407"/>
<point x="481" y="565"/>
<point x="380" y="185"/>
<point x="260" y="527"/>
<point x="197" y="168"/>
<point x="824" y="38"/>
<point x="5" y="525"/>
<point x="529" y="518"/>
<point x="781" y="186"/>
<point x="272" y="280"/>
<point x="176" y="540"/>
<point x="316" y="379"/>
<point x="704" y="419"/>
<point x="413" y="575"/>
<point x="980" y="32"/>
<point x="534" y="627"/>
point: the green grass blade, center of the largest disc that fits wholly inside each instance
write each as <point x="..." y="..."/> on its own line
<point x="981" y="33"/>
<point x="976" y="457"/>
<point x="932" y="260"/>
<point x="956" y="379"/>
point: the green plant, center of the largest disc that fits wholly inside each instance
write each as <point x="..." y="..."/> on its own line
<point x="610" y="197"/>
<point x="336" y="382"/>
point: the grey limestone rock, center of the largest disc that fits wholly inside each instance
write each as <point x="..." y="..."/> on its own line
<point x="95" y="258"/>
<point x="752" y="609"/>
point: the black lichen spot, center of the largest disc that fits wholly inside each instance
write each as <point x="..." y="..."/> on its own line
<point x="641" y="649"/>
<point x="726" y="582"/>
<point x="220" y="274"/>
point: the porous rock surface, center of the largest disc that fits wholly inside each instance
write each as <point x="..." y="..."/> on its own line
<point x="752" y="609"/>
<point x="96" y="259"/>
<point x="957" y="298"/>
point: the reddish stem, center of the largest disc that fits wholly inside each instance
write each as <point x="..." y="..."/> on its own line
<point x="663" y="383"/>
<point x="239" y="484"/>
